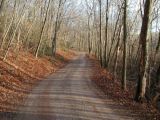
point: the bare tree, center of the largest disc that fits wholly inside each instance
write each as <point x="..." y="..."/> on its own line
<point x="106" y="35"/>
<point x="100" y="32"/>
<point x="125" y="46"/>
<point x="57" y="24"/>
<point x="42" y="30"/>
<point x="144" y="56"/>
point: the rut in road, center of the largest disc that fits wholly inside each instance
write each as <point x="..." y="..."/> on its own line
<point x="69" y="94"/>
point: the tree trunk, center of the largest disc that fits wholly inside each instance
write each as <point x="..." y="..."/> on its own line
<point x="41" y="34"/>
<point x="89" y="41"/>
<point x="117" y="50"/>
<point x="157" y="48"/>
<point x="54" y="44"/>
<point x="144" y="56"/>
<point x="106" y="36"/>
<point x="157" y="87"/>
<point x="124" y="71"/>
<point x="14" y="34"/>
<point x="57" y="27"/>
<point x="113" y="38"/>
<point x="100" y="32"/>
<point x="1" y="6"/>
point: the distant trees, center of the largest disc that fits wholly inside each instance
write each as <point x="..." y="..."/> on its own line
<point x="34" y="23"/>
<point x="124" y="48"/>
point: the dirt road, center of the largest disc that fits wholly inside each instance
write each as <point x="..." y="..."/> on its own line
<point x="70" y="95"/>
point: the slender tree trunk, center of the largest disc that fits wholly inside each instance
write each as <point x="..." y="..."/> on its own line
<point x="89" y="41"/>
<point x="156" y="87"/>
<point x="113" y="38"/>
<point x="41" y="33"/>
<point x="9" y="27"/>
<point x="14" y="34"/>
<point x="57" y="27"/>
<point x="100" y="32"/>
<point x="157" y="48"/>
<point x="5" y="34"/>
<point x="117" y="54"/>
<point x="25" y="41"/>
<point x="18" y="41"/>
<point x="125" y="46"/>
<point x="106" y="36"/>
<point x="54" y="44"/>
<point x="118" y="40"/>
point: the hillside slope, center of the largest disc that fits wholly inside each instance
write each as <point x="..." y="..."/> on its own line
<point x="18" y="74"/>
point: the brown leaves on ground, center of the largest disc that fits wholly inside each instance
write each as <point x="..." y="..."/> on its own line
<point x="112" y="89"/>
<point x="18" y="74"/>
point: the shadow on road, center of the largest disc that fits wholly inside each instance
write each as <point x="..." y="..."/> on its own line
<point x="24" y="116"/>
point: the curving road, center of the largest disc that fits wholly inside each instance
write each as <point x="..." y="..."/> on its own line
<point x="70" y="95"/>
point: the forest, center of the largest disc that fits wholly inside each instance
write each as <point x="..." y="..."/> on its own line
<point x="122" y="37"/>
